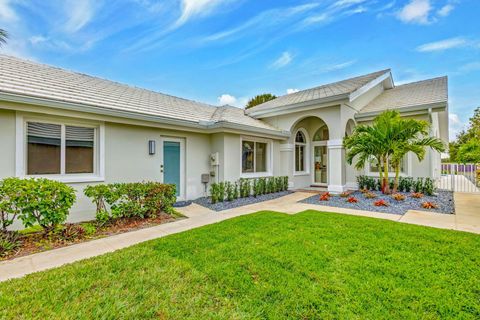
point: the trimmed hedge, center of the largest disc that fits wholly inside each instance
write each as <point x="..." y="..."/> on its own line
<point x="138" y="199"/>
<point x="244" y="188"/>
<point x="35" y="201"/>
<point x="405" y="184"/>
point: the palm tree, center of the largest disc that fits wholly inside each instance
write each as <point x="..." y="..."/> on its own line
<point x="387" y="140"/>
<point x="411" y="136"/>
<point x="3" y="37"/>
<point x="365" y="144"/>
<point x="259" y="99"/>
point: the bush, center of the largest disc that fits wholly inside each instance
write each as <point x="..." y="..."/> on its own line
<point x="44" y="202"/>
<point x="72" y="232"/>
<point x="138" y="199"/>
<point x="10" y="241"/>
<point x="229" y="189"/>
<point x="418" y="185"/>
<point x="10" y="197"/>
<point x="428" y="187"/>
<point x="245" y="188"/>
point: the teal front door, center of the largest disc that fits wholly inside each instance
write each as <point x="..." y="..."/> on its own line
<point x="172" y="164"/>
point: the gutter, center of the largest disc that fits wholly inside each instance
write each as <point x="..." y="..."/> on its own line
<point x="71" y="106"/>
<point x="439" y="106"/>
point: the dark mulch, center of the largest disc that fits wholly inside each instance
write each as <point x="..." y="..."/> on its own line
<point x="33" y="242"/>
<point x="443" y="199"/>
<point x="220" y="206"/>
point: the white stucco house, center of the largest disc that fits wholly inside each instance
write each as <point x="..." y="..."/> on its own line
<point x="84" y="130"/>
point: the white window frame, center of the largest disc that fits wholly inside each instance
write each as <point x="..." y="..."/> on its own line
<point x="98" y="174"/>
<point x="306" y="156"/>
<point x="268" y="160"/>
<point x="405" y="173"/>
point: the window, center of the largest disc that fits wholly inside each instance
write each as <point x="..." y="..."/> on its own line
<point x="59" y="149"/>
<point x="321" y="134"/>
<point x="300" y="152"/>
<point x="255" y="156"/>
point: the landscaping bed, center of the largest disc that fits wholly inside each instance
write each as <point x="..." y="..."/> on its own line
<point x="34" y="240"/>
<point x="225" y="205"/>
<point x="443" y="200"/>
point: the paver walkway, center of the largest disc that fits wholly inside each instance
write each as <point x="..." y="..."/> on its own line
<point x="467" y="219"/>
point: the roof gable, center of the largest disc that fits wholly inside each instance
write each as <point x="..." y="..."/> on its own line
<point x="336" y="90"/>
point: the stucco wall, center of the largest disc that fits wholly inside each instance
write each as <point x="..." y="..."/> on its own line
<point x="126" y="158"/>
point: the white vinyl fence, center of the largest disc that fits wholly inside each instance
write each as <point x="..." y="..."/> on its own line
<point x="459" y="177"/>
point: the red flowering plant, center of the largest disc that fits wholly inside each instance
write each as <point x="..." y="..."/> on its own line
<point x="325" y="196"/>
<point x="429" y="205"/>
<point x="381" y="203"/>
<point x="352" y="200"/>
<point x="417" y="195"/>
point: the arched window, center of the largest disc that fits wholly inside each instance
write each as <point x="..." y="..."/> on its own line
<point x="321" y="134"/>
<point x="300" y="151"/>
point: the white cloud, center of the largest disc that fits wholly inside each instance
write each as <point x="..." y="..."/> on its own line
<point x="6" y="11"/>
<point x="416" y="11"/>
<point x="290" y="91"/>
<point x="443" y="45"/>
<point x="469" y="67"/>
<point x="282" y="61"/>
<point x="79" y="14"/>
<point x="37" y="39"/>
<point x="227" y="99"/>
<point x="455" y="125"/>
<point x="339" y="66"/>
<point x="445" y="10"/>
<point x="192" y="8"/>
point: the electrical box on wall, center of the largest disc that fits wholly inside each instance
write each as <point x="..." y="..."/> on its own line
<point x="214" y="159"/>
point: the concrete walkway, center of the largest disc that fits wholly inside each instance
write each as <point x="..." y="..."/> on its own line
<point x="467" y="219"/>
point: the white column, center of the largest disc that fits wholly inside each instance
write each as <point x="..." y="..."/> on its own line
<point x="336" y="166"/>
<point x="286" y="160"/>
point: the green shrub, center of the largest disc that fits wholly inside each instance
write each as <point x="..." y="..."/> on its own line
<point x="44" y="202"/>
<point x="428" y="187"/>
<point x="221" y="191"/>
<point x="256" y="188"/>
<point x="89" y="228"/>
<point x="214" y="192"/>
<point x="229" y="190"/>
<point x="245" y="188"/>
<point x="9" y="242"/>
<point x="285" y="183"/>
<point x="270" y="188"/>
<point x="137" y="199"/>
<point x="235" y="191"/>
<point x="10" y="197"/>
<point x="72" y="232"/>
<point x="418" y="185"/>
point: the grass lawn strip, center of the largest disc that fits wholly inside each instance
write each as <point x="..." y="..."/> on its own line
<point x="266" y="265"/>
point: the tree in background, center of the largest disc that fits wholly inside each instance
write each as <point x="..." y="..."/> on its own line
<point x="469" y="152"/>
<point x="465" y="137"/>
<point x="3" y="37"/>
<point x="259" y="99"/>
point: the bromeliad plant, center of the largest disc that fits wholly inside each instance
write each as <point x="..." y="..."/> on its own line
<point x="429" y="205"/>
<point x="325" y="196"/>
<point x="381" y="203"/>
<point x="398" y="196"/>
<point x="352" y="200"/>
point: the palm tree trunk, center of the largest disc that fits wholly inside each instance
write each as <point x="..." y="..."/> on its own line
<point x="386" y="186"/>
<point x="397" y="174"/>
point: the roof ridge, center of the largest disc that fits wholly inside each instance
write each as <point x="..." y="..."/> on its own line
<point x="102" y="79"/>
<point x="420" y="81"/>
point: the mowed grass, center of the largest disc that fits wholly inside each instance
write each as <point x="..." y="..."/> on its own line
<point x="267" y="265"/>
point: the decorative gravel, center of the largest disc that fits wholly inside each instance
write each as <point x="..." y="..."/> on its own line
<point x="220" y="206"/>
<point x="443" y="199"/>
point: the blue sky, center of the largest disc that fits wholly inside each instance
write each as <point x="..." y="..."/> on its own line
<point x="225" y="51"/>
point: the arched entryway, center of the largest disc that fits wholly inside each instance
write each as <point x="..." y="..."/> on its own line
<point x="310" y="137"/>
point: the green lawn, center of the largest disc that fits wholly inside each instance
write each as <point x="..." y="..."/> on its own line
<point x="267" y="265"/>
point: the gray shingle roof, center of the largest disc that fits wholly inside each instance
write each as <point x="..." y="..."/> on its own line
<point x="330" y="90"/>
<point x="426" y="92"/>
<point x="32" y="79"/>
